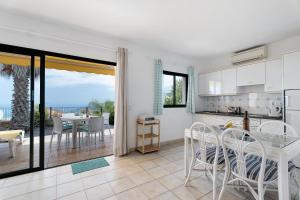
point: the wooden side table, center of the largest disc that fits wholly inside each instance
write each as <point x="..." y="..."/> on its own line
<point x="149" y="137"/>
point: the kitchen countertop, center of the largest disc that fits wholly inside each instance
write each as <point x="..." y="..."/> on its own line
<point x="239" y="115"/>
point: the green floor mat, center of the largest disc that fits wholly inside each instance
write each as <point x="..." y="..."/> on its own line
<point x="88" y="165"/>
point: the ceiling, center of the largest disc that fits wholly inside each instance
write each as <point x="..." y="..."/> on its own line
<point x="191" y="27"/>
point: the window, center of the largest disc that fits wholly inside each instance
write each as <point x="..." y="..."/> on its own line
<point x="174" y="89"/>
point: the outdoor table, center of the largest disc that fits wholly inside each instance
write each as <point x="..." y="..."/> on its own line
<point x="76" y="121"/>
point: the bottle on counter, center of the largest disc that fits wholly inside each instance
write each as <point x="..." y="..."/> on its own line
<point x="246" y="122"/>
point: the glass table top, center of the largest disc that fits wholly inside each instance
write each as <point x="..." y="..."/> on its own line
<point x="269" y="139"/>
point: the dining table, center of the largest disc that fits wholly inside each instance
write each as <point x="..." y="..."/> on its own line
<point x="76" y="121"/>
<point x="280" y="148"/>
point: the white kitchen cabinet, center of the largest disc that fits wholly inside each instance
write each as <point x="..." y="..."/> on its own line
<point x="253" y="74"/>
<point x="202" y="84"/>
<point x="210" y="84"/>
<point x="229" y="81"/>
<point x="274" y="75"/>
<point x="291" y="71"/>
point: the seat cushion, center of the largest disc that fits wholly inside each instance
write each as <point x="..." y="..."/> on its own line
<point x="67" y="126"/>
<point x="10" y="135"/>
<point x="253" y="164"/>
<point x="210" y="155"/>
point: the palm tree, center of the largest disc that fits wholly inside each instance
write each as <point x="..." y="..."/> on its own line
<point x="20" y="97"/>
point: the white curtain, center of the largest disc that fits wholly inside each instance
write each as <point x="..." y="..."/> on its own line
<point x="120" y="126"/>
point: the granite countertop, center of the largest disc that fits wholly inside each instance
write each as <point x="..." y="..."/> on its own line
<point x="239" y="115"/>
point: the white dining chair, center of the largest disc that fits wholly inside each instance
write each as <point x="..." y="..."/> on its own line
<point x="58" y="129"/>
<point x="244" y="167"/>
<point x="281" y="128"/>
<point x="106" y="121"/>
<point x="278" y="128"/>
<point x="249" y="167"/>
<point x="205" y="152"/>
<point x="94" y="126"/>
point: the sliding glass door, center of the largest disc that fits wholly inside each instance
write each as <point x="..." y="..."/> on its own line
<point x="21" y="75"/>
<point x="82" y="88"/>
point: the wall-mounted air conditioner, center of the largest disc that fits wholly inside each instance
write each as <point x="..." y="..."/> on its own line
<point x="246" y="55"/>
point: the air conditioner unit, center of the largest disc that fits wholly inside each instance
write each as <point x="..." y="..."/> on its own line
<point x="250" y="54"/>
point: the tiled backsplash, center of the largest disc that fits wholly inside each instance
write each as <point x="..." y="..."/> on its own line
<point x="254" y="103"/>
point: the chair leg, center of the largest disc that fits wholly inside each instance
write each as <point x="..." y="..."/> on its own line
<point x="225" y="181"/>
<point x="100" y="136"/>
<point x="190" y="171"/>
<point x="79" y="135"/>
<point x="95" y="138"/>
<point x="214" y="183"/>
<point x="51" y="139"/>
<point x="59" y="140"/>
<point x="293" y="176"/>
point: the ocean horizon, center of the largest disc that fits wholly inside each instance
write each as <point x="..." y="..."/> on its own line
<point x="6" y="114"/>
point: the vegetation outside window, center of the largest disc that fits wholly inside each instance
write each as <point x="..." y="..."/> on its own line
<point x="174" y="89"/>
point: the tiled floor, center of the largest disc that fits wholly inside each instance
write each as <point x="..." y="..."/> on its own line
<point x="135" y="177"/>
<point x="54" y="156"/>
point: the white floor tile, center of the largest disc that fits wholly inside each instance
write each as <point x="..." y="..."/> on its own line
<point x="69" y="188"/>
<point x="75" y="196"/>
<point x="132" y="194"/>
<point x="99" y="192"/>
<point x="121" y="185"/>
<point x="153" y="189"/>
<point x="45" y="194"/>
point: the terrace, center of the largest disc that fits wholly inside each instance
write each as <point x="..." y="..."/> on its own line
<point x="65" y="140"/>
<point x="54" y="156"/>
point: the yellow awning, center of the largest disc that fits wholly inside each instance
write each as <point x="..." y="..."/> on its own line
<point x="59" y="63"/>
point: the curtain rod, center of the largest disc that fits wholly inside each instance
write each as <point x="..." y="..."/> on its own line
<point x="58" y="38"/>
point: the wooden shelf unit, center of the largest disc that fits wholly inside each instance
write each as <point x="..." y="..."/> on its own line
<point x="143" y="136"/>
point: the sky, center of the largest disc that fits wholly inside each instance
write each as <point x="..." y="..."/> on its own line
<point x="65" y="88"/>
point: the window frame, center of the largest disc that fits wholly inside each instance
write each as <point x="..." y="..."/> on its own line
<point x="174" y="74"/>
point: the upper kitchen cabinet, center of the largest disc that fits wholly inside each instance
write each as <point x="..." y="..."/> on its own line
<point x="291" y="71"/>
<point x="274" y="73"/>
<point x="253" y="74"/>
<point x="210" y="84"/>
<point x="229" y="81"/>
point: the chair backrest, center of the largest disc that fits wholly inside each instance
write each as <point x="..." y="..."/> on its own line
<point x="57" y="124"/>
<point x="199" y="140"/>
<point x="106" y="118"/>
<point x="278" y="128"/>
<point x="68" y="114"/>
<point x="245" y="147"/>
<point x="95" y="124"/>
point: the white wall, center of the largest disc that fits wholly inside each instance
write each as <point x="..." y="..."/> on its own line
<point x="46" y="35"/>
<point x="275" y="50"/>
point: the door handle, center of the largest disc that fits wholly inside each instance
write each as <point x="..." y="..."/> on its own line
<point x="287" y="103"/>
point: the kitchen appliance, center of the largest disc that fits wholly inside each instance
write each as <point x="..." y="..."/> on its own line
<point x="292" y="113"/>
<point x="147" y="119"/>
<point x="274" y="109"/>
<point x="234" y="110"/>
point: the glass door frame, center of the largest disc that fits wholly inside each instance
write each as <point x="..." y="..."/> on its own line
<point x="33" y="54"/>
<point x="42" y="55"/>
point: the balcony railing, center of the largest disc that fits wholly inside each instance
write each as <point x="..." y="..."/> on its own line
<point x="5" y="113"/>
